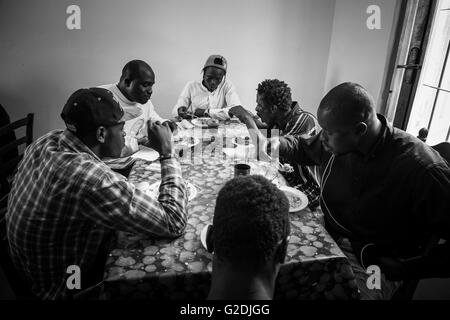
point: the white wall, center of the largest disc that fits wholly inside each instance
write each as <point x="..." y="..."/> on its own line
<point x="358" y="54"/>
<point x="43" y="62"/>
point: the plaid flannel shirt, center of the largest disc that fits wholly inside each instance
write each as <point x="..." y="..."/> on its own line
<point x="303" y="178"/>
<point x="65" y="203"/>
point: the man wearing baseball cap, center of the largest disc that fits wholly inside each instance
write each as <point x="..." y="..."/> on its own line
<point x="66" y="203"/>
<point x="213" y="97"/>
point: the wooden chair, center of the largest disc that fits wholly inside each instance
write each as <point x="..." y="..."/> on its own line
<point x="8" y="165"/>
<point x="407" y="290"/>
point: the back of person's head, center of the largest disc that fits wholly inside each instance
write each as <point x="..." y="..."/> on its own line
<point x="251" y="223"/>
<point x="275" y="92"/>
<point x="348" y="103"/>
<point x="133" y="70"/>
<point x="96" y="117"/>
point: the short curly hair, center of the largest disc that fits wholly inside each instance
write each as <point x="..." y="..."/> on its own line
<point x="276" y="92"/>
<point x="250" y="219"/>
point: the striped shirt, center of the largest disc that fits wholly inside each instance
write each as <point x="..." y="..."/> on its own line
<point x="65" y="203"/>
<point x="304" y="178"/>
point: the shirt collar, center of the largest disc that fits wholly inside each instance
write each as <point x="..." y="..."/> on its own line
<point x="386" y="131"/>
<point x="70" y="141"/>
<point x="295" y="108"/>
<point x="122" y="97"/>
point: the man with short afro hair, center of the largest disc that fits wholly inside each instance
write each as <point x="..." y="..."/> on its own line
<point x="251" y="228"/>
<point x="276" y="110"/>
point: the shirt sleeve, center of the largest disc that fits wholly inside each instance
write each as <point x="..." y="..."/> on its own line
<point x="303" y="151"/>
<point x="305" y="125"/>
<point x="431" y="209"/>
<point x="231" y="100"/>
<point x="152" y="115"/>
<point x="117" y="204"/>
<point x="184" y="100"/>
<point x="231" y="96"/>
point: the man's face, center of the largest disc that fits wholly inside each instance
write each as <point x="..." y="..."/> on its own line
<point x="212" y="77"/>
<point x="114" y="141"/>
<point x="336" y="137"/>
<point x="140" y="89"/>
<point x="264" y="111"/>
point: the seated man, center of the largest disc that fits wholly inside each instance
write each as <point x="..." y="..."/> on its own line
<point x="250" y="238"/>
<point x="213" y="97"/>
<point x="66" y="204"/>
<point x="384" y="192"/>
<point x="276" y="110"/>
<point x="134" y="91"/>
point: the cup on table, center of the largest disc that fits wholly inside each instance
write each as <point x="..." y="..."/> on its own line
<point x="241" y="169"/>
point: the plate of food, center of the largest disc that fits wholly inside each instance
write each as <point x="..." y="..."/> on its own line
<point x="297" y="199"/>
<point x="205" y="122"/>
<point x="186" y="141"/>
<point x="153" y="190"/>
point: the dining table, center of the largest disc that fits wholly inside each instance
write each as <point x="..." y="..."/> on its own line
<point x="142" y="267"/>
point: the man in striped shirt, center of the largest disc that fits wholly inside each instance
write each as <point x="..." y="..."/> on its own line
<point x="276" y="110"/>
<point x="66" y="203"/>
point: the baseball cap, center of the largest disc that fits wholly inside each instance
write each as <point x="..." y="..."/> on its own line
<point x="217" y="61"/>
<point x="87" y="109"/>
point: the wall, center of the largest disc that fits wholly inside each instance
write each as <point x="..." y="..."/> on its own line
<point x="358" y="54"/>
<point x="43" y="62"/>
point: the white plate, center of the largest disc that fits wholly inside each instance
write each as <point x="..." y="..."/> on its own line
<point x="300" y="198"/>
<point x="203" y="235"/>
<point x="186" y="141"/>
<point x="153" y="190"/>
<point x="146" y="153"/>
<point x="202" y="123"/>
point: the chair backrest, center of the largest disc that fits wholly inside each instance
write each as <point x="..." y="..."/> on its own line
<point x="10" y="156"/>
<point x="9" y="163"/>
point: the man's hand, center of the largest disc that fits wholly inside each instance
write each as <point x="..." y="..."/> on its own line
<point x="160" y="137"/>
<point x="199" y="112"/>
<point x="183" y="113"/>
<point x="241" y="113"/>
<point x="143" y="141"/>
<point x="172" y="125"/>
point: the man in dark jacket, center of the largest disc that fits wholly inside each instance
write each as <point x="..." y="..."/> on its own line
<point x="384" y="193"/>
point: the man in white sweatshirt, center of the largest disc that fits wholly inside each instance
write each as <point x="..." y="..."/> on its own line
<point x="134" y="91"/>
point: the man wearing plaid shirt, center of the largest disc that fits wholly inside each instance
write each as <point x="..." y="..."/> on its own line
<point x="66" y="203"/>
<point x="276" y="110"/>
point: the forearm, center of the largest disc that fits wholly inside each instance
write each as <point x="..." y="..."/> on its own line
<point x="117" y="204"/>
<point x="173" y="197"/>
<point x="301" y="151"/>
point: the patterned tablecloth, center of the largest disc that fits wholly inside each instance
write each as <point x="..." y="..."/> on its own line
<point x="141" y="268"/>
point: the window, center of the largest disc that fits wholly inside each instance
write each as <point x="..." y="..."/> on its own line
<point x="431" y="104"/>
